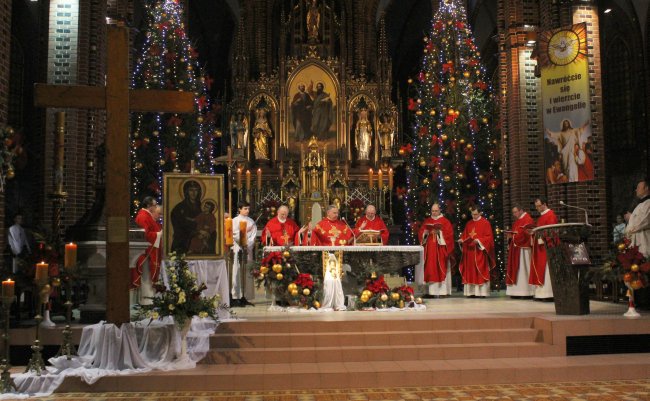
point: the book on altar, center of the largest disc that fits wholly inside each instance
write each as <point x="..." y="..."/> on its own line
<point x="434" y="226"/>
<point x="369" y="237"/>
<point x="468" y="239"/>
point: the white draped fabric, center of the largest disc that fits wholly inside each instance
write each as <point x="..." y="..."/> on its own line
<point x="106" y="350"/>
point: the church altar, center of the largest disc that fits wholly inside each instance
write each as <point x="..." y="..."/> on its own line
<point x="389" y="259"/>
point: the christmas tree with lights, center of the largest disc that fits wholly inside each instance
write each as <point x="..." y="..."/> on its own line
<point x="166" y="142"/>
<point x="452" y="152"/>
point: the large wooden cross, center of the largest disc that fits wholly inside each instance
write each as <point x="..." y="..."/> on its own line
<point x="118" y="100"/>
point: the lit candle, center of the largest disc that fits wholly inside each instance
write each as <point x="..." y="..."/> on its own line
<point x="248" y="180"/>
<point x="70" y="256"/>
<point x="259" y="179"/>
<point x="8" y="290"/>
<point x="42" y="272"/>
<point x="228" y="229"/>
<point x="238" y="178"/>
<point x="370" y="175"/>
<point x="243" y="237"/>
<point x="390" y="178"/>
<point x="380" y="179"/>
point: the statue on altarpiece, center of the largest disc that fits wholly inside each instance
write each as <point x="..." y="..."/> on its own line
<point x="387" y="134"/>
<point x="313" y="21"/>
<point x="261" y="133"/>
<point x="363" y="135"/>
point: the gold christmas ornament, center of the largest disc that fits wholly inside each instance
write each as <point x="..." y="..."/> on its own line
<point x="418" y="300"/>
<point x="419" y="112"/>
<point x="279" y="276"/>
<point x="10" y="173"/>
<point x="199" y="119"/>
<point x="373" y="276"/>
<point x="384" y="297"/>
<point x="447" y="178"/>
<point x="450" y="112"/>
<point x="264" y="269"/>
<point x="286" y="254"/>
<point x="146" y="140"/>
<point x="432" y="112"/>
<point x="466" y="74"/>
<point x="182" y="134"/>
<point x="277" y="268"/>
<point x="462" y="141"/>
<point x="363" y="298"/>
<point x="439" y="126"/>
<point x="218" y="133"/>
<point x="621" y="247"/>
<point x="162" y="162"/>
<point x="306" y="292"/>
<point x="410" y="81"/>
<point x="484" y="120"/>
<point x="444" y="137"/>
<point x="316" y="304"/>
<point x="401" y="152"/>
<point x="155" y="133"/>
<point x="422" y="163"/>
<point x="394" y="296"/>
<point x="292" y="286"/>
<point x="636" y="284"/>
<point x="425" y="181"/>
<point x="446" y="153"/>
<point x="634" y="268"/>
<point x="294" y="293"/>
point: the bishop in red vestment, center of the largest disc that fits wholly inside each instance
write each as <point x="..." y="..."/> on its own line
<point x="331" y="231"/>
<point x="281" y="230"/>
<point x="478" y="258"/>
<point x="539" y="271"/>
<point x="437" y="236"/>
<point x="147" y="218"/>
<point x="519" y="243"/>
<point x="372" y="222"/>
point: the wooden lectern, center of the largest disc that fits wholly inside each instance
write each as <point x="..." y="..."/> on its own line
<point x="568" y="261"/>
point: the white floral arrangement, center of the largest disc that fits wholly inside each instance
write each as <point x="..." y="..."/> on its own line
<point x="183" y="299"/>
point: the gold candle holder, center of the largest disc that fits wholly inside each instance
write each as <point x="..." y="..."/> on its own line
<point x="7" y="384"/>
<point x="36" y="363"/>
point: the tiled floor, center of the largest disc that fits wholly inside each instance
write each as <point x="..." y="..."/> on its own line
<point x="620" y="390"/>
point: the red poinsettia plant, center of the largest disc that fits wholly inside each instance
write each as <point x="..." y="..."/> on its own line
<point x="377" y="294"/>
<point x="276" y="270"/>
<point x="304" y="291"/>
<point x="356" y="206"/>
<point x="633" y="265"/>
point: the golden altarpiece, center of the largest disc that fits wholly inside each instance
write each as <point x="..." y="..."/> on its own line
<point x="311" y="110"/>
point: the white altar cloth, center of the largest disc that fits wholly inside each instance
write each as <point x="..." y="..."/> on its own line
<point x="214" y="274"/>
<point x="106" y="350"/>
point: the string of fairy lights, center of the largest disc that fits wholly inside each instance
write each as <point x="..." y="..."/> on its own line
<point x="452" y="153"/>
<point x="164" y="142"/>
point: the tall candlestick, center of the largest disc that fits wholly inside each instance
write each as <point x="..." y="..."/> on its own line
<point x="243" y="233"/>
<point x="380" y="179"/>
<point x="370" y="178"/>
<point x="248" y="180"/>
<point x="259" y="179"/>
<point x="8" y="289"/>
<point x="59" y="152"/>
<point x="390" y="179"/>
<point x="42" y="272"/>
<point x="228" y="230"/>
<point x="70" y="256"/>
<point x="238" y="178"/>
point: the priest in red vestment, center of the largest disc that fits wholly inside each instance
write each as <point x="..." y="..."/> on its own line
<point x="281" y="230"/>
<point x="519" y="244"/>
<point x="331" y="231"/>
<point x="147" y="266"/>
<point x="437" y="237"/>
<point x="478" y="258"/>
<point x="372" y="222"/>
<point x="539" y="271"/>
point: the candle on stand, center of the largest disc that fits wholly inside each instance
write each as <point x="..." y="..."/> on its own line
<point x="370" y="178"/>
<point x="228" y="230"/>
<point x="390" y="179"/>
<point x="248" y="180"/>
<point x="243" y="233"/>
<point x="42" y="272"/>
<point x="229" y="153"/>
<point x="8" y="289"/>
<point x="259" y="179"/>
<point x="70" y="256"/>
<point x="380" y="179"/>
<point x="238" y="178"/>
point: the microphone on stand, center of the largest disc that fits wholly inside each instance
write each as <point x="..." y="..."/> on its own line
<point x="579" y="208"/>
<point x="351" y="230"/>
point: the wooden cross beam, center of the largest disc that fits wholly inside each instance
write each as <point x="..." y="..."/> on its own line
<point x="118" y="100"/>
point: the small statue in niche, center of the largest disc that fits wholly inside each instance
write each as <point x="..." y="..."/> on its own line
<point x="363" y="135"/>
<point x="239" y="132"/>
<point x="313" y="21"/>
<point x="261" y="133"/>
<point x="387" y="134"/>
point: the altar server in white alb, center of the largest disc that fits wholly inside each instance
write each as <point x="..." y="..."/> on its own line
<point x="243" y="287"/>
<point x="638" y="225"/>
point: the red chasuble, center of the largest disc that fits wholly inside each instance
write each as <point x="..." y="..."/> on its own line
<point x="520" y="239"/>
<point x="280" y="233"/>
<point x="435" y="254"/>
<point x="325" y="229"/>
<point x="151" y="227"/>
<point x="375" y="224"/>
<point x="476" y="263"/>
<point x="538" y="258"/>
